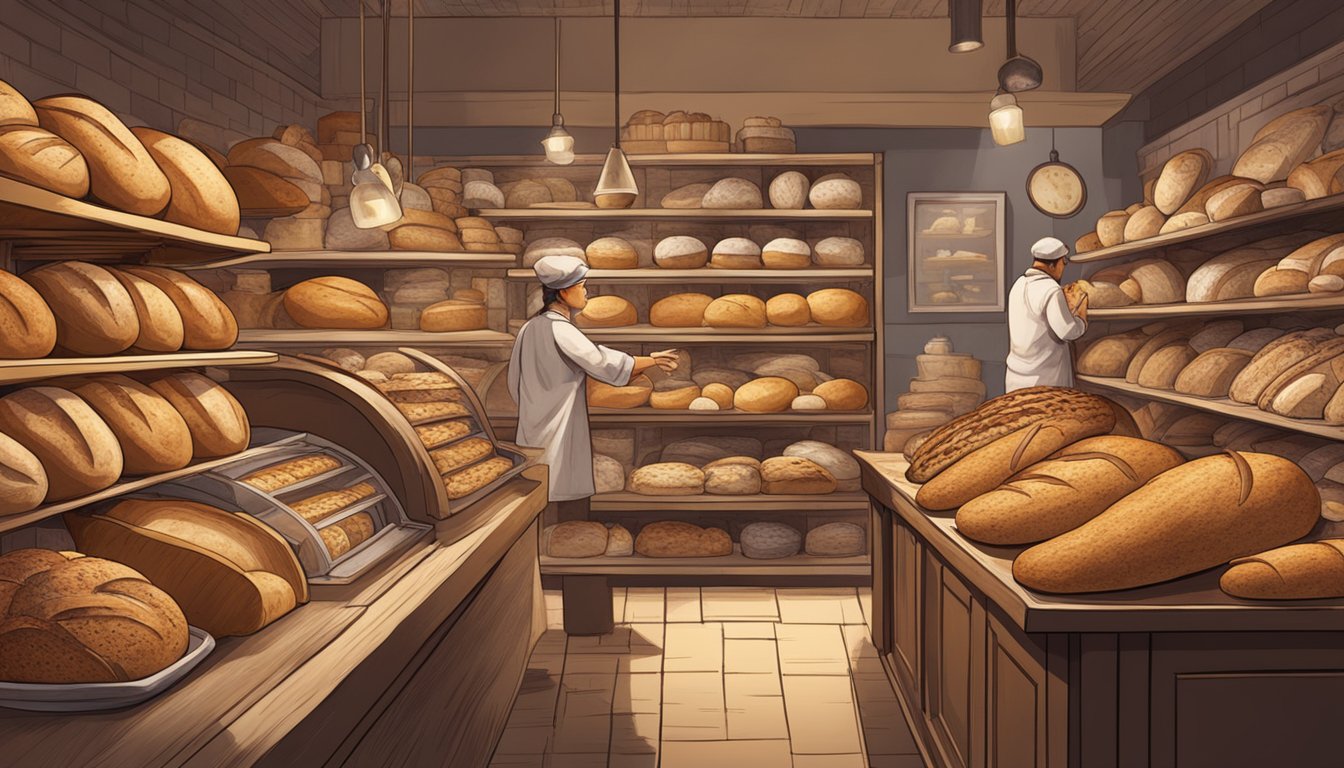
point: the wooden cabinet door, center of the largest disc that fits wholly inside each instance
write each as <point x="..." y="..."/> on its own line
<point x="953" y="653"/>
<point x="1015" y="701"/>
<point x="906" y="592"/>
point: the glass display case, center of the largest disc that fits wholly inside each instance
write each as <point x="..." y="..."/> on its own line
<point x="956" y="251"/>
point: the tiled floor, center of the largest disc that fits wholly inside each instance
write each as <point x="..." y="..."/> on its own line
<point x="711" y="678"/>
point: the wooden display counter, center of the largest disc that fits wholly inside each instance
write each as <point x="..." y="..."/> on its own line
<point x="1176" y="674"/>
<point x="417" y="665"/>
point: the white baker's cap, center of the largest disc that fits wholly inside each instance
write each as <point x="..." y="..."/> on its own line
<point x="558" y="272"/>
<point x="1049" y="249"/>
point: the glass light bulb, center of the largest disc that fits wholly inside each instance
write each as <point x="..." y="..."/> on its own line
<point x="372" y="203"/>
<point x="1005" y="120"/>
<point x="559" y="146"/>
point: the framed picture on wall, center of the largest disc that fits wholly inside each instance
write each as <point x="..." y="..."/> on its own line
<point x="955" y="251"/>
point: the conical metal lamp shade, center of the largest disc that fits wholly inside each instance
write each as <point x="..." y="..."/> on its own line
<point x="616" y="178"/>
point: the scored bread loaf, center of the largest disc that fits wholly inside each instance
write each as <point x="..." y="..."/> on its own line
<point x="1283" y="143"/>
<point x="78" y="451"/>
<point x="278" y="476"/>
<point x="23" y="484"/>
<point x="161" y="328"/>
<point x="1179" y="335"/>
<point x="201" y="196"/>
<point x="1198" y="515"/>
<point x="1296" y="572"/>
<point x="677" y="539"/>
<point x="735" y="310"/>
<point x="217" y="421"/>
<point x="121" y="171"/>
<point x="795" y="475"/>
<point x="453" y="315"/>
<point x="1275" y="358"/>
<point x="987" y="467"/>
<point x="207" y="324"/>
<point x="607" y="312"/>
<point x="335" y="302"/>
<point x="41" y="158"/>
<point x="27" y="326"/>
<point x="153" y="436"/>
<point x="94" y="313"/>
<point x="1064" y="491"/>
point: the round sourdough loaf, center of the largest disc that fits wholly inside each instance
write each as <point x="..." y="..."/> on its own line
<point x="786" y="253"/>
<point x="24" y="483"/>
<point x="41" y="158"/>
<point x="838" y="252"/>
<point x="735" y="193"/>
<point x="335" y="302"/>
<point x="673" y="394"/>
<point x="736" y="310"/>
<point x="94" y="313"/>
<point x="14" y="108"/>
<point x="153" y="435"/>
<point x="550" y="246"/>
<point x="670" y="478"/>
<point x="720" y="394"/>
<point x="619" y="541"/>
<point x="680" y="310"/>
<point x="795" y="475"/>
<point x="524" y="193"/>
<point x="680" y="252"/>
<point x="201" y="196"/>
<point x="732" y="479"/>
<point x="788" y="191"/>
<point x="576" y="538"/>
<point x="161" y="328"/>
<point x="839" y="307"/>
<point x="632" y="395"/>
<point x="77" y="449"/>
<point x="768" y="394"/>
<point x="27" y="327"/>
<point x="677" y="539"/>
<point x="121" y="171"/>
<point x="453" y="315"/>
<point x="206" y="322"/>
<point x="685" y="197"/>
<point x="390" y="363"/>
<point x="836" y="540"/>
<point x="217" y="421"/>
<point x="607" y="312"/>
<point x="611" y="253"/>
<point x="736" y="253"/>
<point x="700" y="451"/>
<point x="1144" y="223"/>
<point x="836" y="191"/>
<point x="840" y="463"/>
<point x="768" y="540"/>
<point x="608" y="474"/>
<point x="788" y="309"/>
<point x="1111" y="228"/>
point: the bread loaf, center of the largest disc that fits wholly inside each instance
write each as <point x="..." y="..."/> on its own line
<point x="319" y="506"/>
<point x="27" y="326"/>
<point x="735" y="310"/>
<point x="94" y="313"/>
<point x="607" y="312"/>
<point x="734" y="193"/>
<point x="795" y="475"/>
<point x="1278" y="197"/>
<point x="700" y="451"/>
<point x="1307" y="571"/>
<point x="152" y="434"/>
<point x="786" y="253"/>
<point x="1110" y="355"/>
<point x="841" y="464"/>
<point x="453" y="315"/>
<point x="1234" y="200"/>
<point x="770" y="540"/>
<point x="1162" y="368"/>
<point x="438" y="433"/>
<point x="788" y="191"/>
<point x="1064" y="491"/>
<point x="611" y="253"/>
<point x="667" y="479"/>
<point x="1303" y="389"/>
<point x="1212" y="372"/>
<point x="23" y="481"/>
<point x="576" y="538"/>
<point x="1086" y="243"/>
<point x="1275" y="358"/>
<point x="836" y="540"/>
<point x="836" y="191"/>
<point x="77" y="450"/>
<point x="733" y="479"/>
<point x="677" y="539"/>
<point x="201" y="196"/>
<point x="1111" y="228"/>
<point x="680" y="252"/>
<point x="231" y="574"/>
<point x="1254" y="340"/>
<point x="735" y="253"/>
<point x="838" y="307"/>
<point x="768" y="394"/>
<point x="335" y="302"/>
<point x="632" y="395"/>
<point x="721" y="394"/>
<point x="466" y="482"/>
<point x="1295" y="271"/>
<point x="1181" y="176"/>
<point x="679" y="310"/>
<point x="458" y="455"/>
<point x="1184" y="221"/>
<point x="608" y="474"/>
<point x="1283" y="143"/>
<point x="1315" y="178"/>
<point x="121" y="171"/>
<point x="842" y="394"/>
<point x="207" y="324"/>
<point x="160" y="322"/>
<point x="787" y="309"/>
<point x="685" y="197"/>
<point x="14" y="108"/>
<point x="1154" y="281"/>
<point x="217" y="421"/>
<point x="984" y="468"/>
<point x="39" y="157"/>
<point x="1232" y="274"/>
<point x="1199" y="515"/>
<point x="1144" y="223"/>
<point x="673" y="394"/>
<point x="262" y="193"/>
<point x="732" y="379"/>
<point x="278" y="476"/>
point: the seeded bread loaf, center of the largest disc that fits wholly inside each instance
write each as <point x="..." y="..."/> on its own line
<point x="476" y="477"/>
<point x="441" y="432"/>
<point x="454" y="457"/>
<point x="322" y="505"/>
<point x="795" y="475"/>
<point x="575" y="538"/>
<point x="678" y="539"/>
<point x="277" y="476"/>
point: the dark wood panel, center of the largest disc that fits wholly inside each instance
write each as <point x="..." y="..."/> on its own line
<point x="906" y="590"/>
<point x="954" y="664"/>
<point x="1015" y="701"/>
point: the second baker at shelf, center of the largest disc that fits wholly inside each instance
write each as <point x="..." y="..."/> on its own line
<point x="551" y="359"/>
<point x="1042" y="320"/>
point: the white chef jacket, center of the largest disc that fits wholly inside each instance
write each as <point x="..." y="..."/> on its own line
<point x="1040" y="326"/>
<point x="551" y="358"/>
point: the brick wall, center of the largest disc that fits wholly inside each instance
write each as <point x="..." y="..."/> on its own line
<point x="177" y="70"/>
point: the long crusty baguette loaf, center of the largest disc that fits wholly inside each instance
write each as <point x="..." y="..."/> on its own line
<point x="985" y="468"/>
<point x="43" y="159"/>
<point x="1064" y="491"/>
<point x="327" y="503"/>
<point x="1073" y="413"/>
<point x="277" y="476"/>
<point x="76" y="447"/>
<point x="153" y="435"/>
<point x="1275" y="358"/>
<point x="1294" y="572"/>
<point x="1211" y="374"/>
<point x="121" y="171"/>
<point x="1199" y="515"/>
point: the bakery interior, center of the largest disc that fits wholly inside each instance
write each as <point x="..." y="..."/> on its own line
<point x="263" y="266"/>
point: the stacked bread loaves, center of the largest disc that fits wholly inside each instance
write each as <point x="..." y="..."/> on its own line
<point x="832" y="307"/>
<point x="652" y="132"/>
<point x="947" y="385"/>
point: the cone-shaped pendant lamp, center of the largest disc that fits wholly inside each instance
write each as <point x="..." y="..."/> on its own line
<point x="372" y="202"/>
<point x="616" y="186"/>
<point x="559" y="145"/>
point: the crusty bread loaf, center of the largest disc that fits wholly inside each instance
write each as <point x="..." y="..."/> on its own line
<point x="1315" y="178"/>
<point x="607" y="312"/>
<point x="1196" y="516"/>
<point x="735" y="193"/>
<point x="611" y="253"/>
<point x="441" y="432"/>
<point x="1232" y="274"/>
<point x="161" y="328"/>
<point x="453" y="315"/>
<point x="1066" y="490"/>
<point x="732" y="479"/>
<point x="153" y="436"/>
<point x="1182" y="221"/>
<point x="685" y="197"/>
<point x="985" y="468"/>
<point x="27" y="326"/>
<point x="94" y="313"/>
<point x="1075" y="414"/>
<point x="1184" y="173"/>
<point x="679" y="310"/>
<point x="1233" y="200"/>
<point x="335" y="302"/>
<point x="838" y="307"/>
<point x="1144" y="223"/>
<point x="787" y="253"/>
<point x="1283" y="143"/>
<point x="842" y="394"/>
<point x="632" y="395"/>
<point x="1275" y="358"/>
<point x="1295" y="271"/>
<point x="78" y="451"/>
<point x="217" y="421"/>
<point x="840" y="463"/>
<point x="1277" y="197"/>
<point x="1212" y="372"/>
<point x="1110" y="355"/>
<point x="262" y="193"/>
<point x="39" y="157"/>
<point x="23" y="481"/>
<point x="452" y="458"/>
<point x="768" y="394"/>
<point x="673" y="394"/>
<point x="678" y="539"/>
<point x="770" y="540"/>
<point x="1303" y="388"/>
<point x="576" y="538"/>
<point x="121" y="171"/>
<point x="721" y="394"/>
<point x="1307" y="571"/>
<point x="1111" y="228"/>
<point x="735" y="253"/>
<point x="736" y="310"/>
<point x="207" y="323"/>
<point x="201" y="196"/>
<point x="1153" y="281"/>
<point x="788" y="309"/>
<point x="474" y="478"/>
<point x="1165" y="365"/>
<point x="278" y="476"/>
<point x="680" y="252"/>
<point x="795" y="475"/>
<point x="838" y="539"/>
<point x="667" y="479"/>
<point x="1155" y="343"/>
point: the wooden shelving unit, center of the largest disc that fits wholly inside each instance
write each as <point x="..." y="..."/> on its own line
<point x="1305" y="302"/>
<point x="715" y="276"/>
<point x="669" y="214"/>
<point x="626" y="502"/>
<point x="810" y="334"/>
<point x="370" y="259"/>
<point x="735" y="564"/>
<point x="18" y="371"/>
<point x="317" y="337"/>
<point x="708" y="159"/>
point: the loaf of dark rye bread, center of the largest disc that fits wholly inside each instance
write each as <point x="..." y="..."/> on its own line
<point x="1077" y="414"/>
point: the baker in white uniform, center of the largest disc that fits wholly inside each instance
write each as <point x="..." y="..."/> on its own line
<point x="551" y="359"/>
<point x="1042" y="322"/>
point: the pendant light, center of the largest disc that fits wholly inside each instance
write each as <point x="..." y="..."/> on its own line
<point x="965" y="18"/>
<point x="559" y="145"/>
<point x="1005" y="119"/>
<point x="616" y="186"/>
<point x="372" y="202"/>
<point x="1018" y="73"/>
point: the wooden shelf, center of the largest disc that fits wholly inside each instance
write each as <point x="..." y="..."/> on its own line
<point x="1222" y="406"/>
<point x="722" y="418"/>
<point x="1271" y="305"/>
<point x="812" y="334"/>
<point x="764" y="502"/>
<point x="701" y="158"/>
<point x="669" y="214"/>
<point x="1325" y="212"/>
<point x="735" y="564"/>
<point x="310" y="337"/>
<point x="17" y="371"/>
<point x="39" y="222"/>
<point x="713" y="276"/>
<point x="371" y="259"/>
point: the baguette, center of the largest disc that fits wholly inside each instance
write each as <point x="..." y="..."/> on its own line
<point x="327" y="503"/>
<point x="1197" y="516"/>
<point x="278" y="476"/>
<point x="121" y="172"/>
<point x="985" y="468"/>
<point x="1061" y="493"/>
<point x="476" y="477"/>
<point x="1295" y="572"/>
<point x="456" y="456"/>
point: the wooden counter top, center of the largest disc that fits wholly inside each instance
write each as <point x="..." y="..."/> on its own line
<point x="1191" y="604"/>
<point x="252" y="691"/>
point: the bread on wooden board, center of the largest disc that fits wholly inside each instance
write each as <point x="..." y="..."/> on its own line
<point x="1274" y="359"/>
<point x="207" y="323"/>
<point x="153" y="436"/>
<point x="1198" y="515"/>
<point x="1283" y="143"/>
<point x="1073" y="413"/>
<point x="986" y="467"/>
<point x="231" y="574"/>
<point x="1184" y="173"/>
<point x="217" y="421"/>
<point x="78" y="451"/>
<point x="122" y="173"/>
<point x="1211" y="374"/>
<point x="1316" y="178"/>
<point x="1064" y="491"/>
<point x="94" y="313"/>
<point x="27" y="326"/>
<point x="1307" y="571"/>
<point x="39" y="157"/>
<point x="677" y="539"/>
<point x="335" y="302"/>
<point x="201" y="196"/>
<point x="70" y="619"/>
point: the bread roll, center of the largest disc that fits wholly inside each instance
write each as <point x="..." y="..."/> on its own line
<point x="787" y="309"/>
<point x="201" y="196"/>
<point x="23" y="481"/>
<point x="121" y="171"/>
<point x="842" y="394"/>
<point x="721" y="394"/>
<point x="576" y="538"/>
<point x="735" y="310"/>
<point x="770" y="540"/>
<point x="94" y="313"/>
<point x="607" y="312"/>
<point x="788" y="191"/>
<point x="1111" y="228"/>
<point x="453" y="315"/>
<point x="633" y="395"/>
<point x="838" y="307"/>
<point x="39" y="157"/>
<point x="679" y="310"/>
<point x="786" y="253"/>
<point x="768" y="394"/>
<point x="611" y="253"/>
<point x="217" y="421"/>
<point x="734" y="193"/>
<point x="78" y="451"/>
<point x="836" y="191"/>
<point x="736" y="253"/>
<point x="795" y="475"/>
<point x="680" y="252"/>
<point x="667" y="479"/>
<point x="1196" y="516"/>
<point x="27" y="326"/>
<point x="207" y="324"/>
<point x="153" y="436"/>
<point x="1283" y="143"/>
<point x="335" y="302"/>
<point x="677" y="539"/>
<point x="1181" y="176"/>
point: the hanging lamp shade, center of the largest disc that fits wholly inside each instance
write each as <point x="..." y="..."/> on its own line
<point x="966" y="32"/>
<point x="616" y="186"/>
<point x="1005" y="120"/>
<point x="1018" y="73"/>
<point x="373" y="203"/>
<point x="558" y="144"/>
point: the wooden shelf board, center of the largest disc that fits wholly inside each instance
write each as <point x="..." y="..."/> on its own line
<point x="659" y="416"/>
<point x="712" y="276"/>
<point x="636" y="503"/>
<point x="32" y="215"/>
<point x="1223" y="407"/>
<point x="817" y="334"/>
<point x="701" y="158"/>
<point x="670" y="214"/>
<point x="1270" y="305"/>
<point x="1324" y="212"/>
<point x="383" y="337"/>
<point x="735" y="564"/>
<point x="16" y="371"/>
<point x="371" y="259"/>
